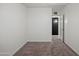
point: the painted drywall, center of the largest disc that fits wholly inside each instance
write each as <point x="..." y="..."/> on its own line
<point x="13" y="28"/>
<point x="72" y="26"/>
<point x="40" y="24"/>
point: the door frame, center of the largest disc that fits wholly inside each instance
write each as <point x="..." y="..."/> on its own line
<point x="58" y="25"/>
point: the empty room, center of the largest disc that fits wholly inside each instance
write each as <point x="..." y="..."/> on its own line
<point x="39" y="29"/>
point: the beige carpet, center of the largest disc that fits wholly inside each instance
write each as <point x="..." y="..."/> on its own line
<point x="56" y="48"/>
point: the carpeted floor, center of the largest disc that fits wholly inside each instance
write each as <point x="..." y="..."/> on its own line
<point x="56" y="48"/>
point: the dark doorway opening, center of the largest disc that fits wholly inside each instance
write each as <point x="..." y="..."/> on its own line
<point x="55" y="26"/>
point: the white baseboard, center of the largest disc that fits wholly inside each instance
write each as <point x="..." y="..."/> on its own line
<point x="72" y="48"/>
<point x="5" y="54"/>
<point x="18" y="48"/>
<point x="12" y="53"/>
<point x="39" y="41"/>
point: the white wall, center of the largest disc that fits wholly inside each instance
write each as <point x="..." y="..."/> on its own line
<point x="40" y="24"/>
<point x="72" y="27"/>
<point x="13" y="28"/>
<point x="19" y="24"/>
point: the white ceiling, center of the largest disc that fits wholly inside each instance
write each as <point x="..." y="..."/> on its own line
<point x="48" y="5"/>
<point x="55" y="6"/>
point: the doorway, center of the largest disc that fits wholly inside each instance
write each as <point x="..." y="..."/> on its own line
<point x="55" y="26"/>
<point x="58" y="27"/>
